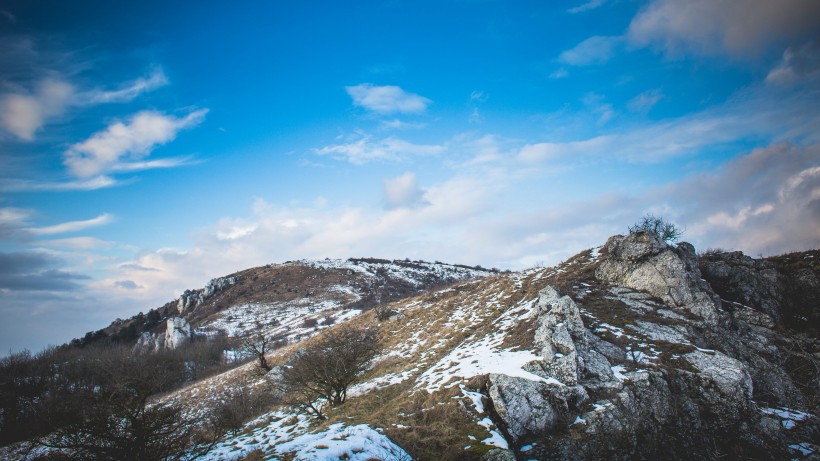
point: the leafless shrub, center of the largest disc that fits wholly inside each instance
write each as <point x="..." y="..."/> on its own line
<point x="659" y="226"/>
<point x="321" y="372"/>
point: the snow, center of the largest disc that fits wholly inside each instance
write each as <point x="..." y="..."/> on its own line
<point x="477" y="358"/>
<point x="355" y="443"/>
<point x="618" y="372"/>
<point x="788" y="417"/>
<point x="379" y="383"/>
<point x="475" y="397"/>
<point x="495" y="439"/>
<point x="804" y="448"/>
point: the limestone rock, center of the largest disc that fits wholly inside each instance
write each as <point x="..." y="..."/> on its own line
<point x="642" y="261"/>
<point x="522" y="404"/>
<point x="559" y="327"/>
<point x="177" y="332"/>
<point x="190" y="299"/>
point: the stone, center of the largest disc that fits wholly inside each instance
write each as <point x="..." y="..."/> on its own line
<point x="522" y="404"/>
<point x="642" y="261"/>
<point x="190" y="299"/>
<point x="559" y="327"/>
<point x="177" y="332"/>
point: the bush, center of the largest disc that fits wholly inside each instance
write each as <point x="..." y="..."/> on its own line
<point x="652" y="224"/>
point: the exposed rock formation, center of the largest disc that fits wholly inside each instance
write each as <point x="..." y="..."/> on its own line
<point x="190" y="299"/>
<point x="642" y="261"/>
<point x="667" y="372"/>
<point x="177" y="333"/>
<point x="746" y="285"/>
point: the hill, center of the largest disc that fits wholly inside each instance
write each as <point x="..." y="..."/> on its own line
<point x="634" y="350"/>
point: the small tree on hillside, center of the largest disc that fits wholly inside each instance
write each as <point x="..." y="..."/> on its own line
<point x="652" y="224"/>
<point x="257" y="344"/>
<point x="325" y="369"/>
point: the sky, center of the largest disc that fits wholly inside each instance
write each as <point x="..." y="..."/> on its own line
<point x="147" y="147"/>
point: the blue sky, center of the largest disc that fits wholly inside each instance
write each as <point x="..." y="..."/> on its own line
<point x="147" y="147"/>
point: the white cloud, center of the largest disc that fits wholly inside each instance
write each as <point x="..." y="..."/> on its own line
<point x="22" y="114"/>
<point x="130" y="141"/>
<point x="592" y="51"/>
<point x="710" y="27"/>
<point x="366" y="150"/>
<point x="71" y="226"/>
<point x="128" y="92"/>
<point x="386" y="99"/>
<point x="645" y="101"/>
<point x="402" y="191"/>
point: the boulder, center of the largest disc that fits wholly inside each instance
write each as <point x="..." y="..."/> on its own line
<point x="642" y="261"/>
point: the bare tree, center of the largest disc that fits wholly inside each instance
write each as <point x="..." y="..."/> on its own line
<point x="657" y="225"/>
<point x="258" y="344"/>
<point x="324" y="370"/>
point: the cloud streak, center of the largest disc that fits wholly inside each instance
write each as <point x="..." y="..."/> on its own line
<point x="123" y="145"/>
<point x="71" y="226"/>
<point x="365" y="150"/>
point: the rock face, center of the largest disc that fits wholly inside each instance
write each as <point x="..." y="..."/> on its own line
<point x="745" y="283"/>
<point x="177" y="333"/>
<point x="189" y="299"/>
<point x="642" y="261"/>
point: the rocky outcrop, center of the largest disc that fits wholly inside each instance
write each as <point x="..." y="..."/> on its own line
<point x="177" y="332"/>
<point x="746" y="285"/>
<point x="190" y="299"/>
<point x="642" y="261"/>
<point x="559" y="328"/>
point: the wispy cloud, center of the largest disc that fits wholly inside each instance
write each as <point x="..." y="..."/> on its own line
<point x="71" y="226"/>
<point x="128" y="92"/>
<point x="23" y="185"/>
<point x="122" y="145"/>
<point x="592" y="51"/>
<point x="645" y="101"/>
<point x="386" y="99"/>
<point x="798" y="64"/>
<point x="587" y="6"/>
<point x="365" y="150"/>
